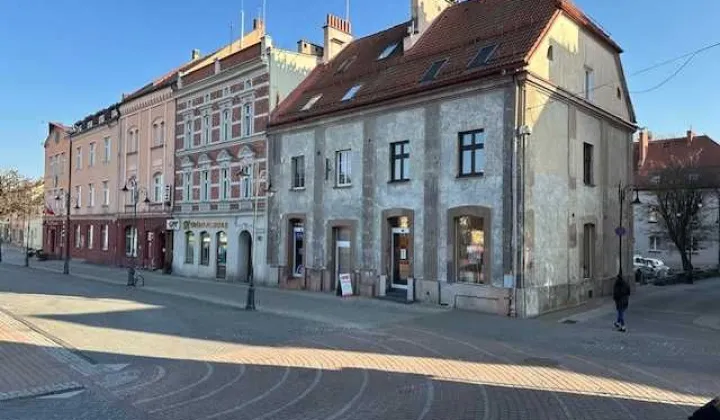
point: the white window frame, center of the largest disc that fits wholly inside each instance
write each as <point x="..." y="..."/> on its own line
<point x="91" y="237"/>
<point x="188" y="138"/>
<point x="78" y="237"/>
<point x="246" y="185"/>
<point x="106" y="193"/>
<point x="107" y="148"/>
<point x="158" y="190"/>
<point x="78" y="158"/>
<point x="343" y="168"/>
<point x="105" y="237"/>
<point x="78" y="193"/>
<point x="187" y="186"/>
<point x="297" y="172"/>
<point x="205" y="183"/>
<point x="224" y="183"/>
<point x="654" y="240"/>
<point x="206" y="133"/>
<point x="91" y="195"/>
<point x="225" y="126"/>
<point x="132" y="252"/>
<point x="91" y="155"/>
<point x="248" y="112"/>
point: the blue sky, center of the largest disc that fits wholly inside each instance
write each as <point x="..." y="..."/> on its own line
<point x="63" y="59"/>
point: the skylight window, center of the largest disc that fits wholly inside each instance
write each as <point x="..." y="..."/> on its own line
<point x="310" y="103"/>
<point x="345" y="64"/>
<point x="351" y="93"/>
<point x="483" y="56"/>
<point x="387" y="51"/>
<point x="433" y="71"/>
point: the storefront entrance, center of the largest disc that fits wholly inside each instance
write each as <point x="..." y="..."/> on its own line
<point x="221" y="256"/>
<point x="342" y="256"/>
<point x="400" y="258"/>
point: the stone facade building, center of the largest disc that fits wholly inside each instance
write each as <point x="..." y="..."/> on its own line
<point x="221" y="186"/>
<point x="470" y="157"/>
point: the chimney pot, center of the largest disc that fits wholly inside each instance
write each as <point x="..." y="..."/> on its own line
<point x="690" y="136"/>
<point x="195" y="54"/>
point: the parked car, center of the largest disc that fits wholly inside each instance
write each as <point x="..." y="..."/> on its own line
<point x="649" y="268"/>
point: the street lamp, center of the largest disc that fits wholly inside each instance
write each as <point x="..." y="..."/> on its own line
<point x="247" y="167"/>
<point x="69" y="200"/>
<point x="135" y="192"/>
<point x="620" y="231"/>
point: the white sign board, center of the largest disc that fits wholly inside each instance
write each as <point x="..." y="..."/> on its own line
<point x="346" y="285"/>
<point x="172" y="224"/>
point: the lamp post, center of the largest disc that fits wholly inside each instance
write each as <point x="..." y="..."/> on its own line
<point x="248" y="167"/>
<point x="620" y="231"/>
<point x="135" y="192"/>
<point x="69" y="200"/>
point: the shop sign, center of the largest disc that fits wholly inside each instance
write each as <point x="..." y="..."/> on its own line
<point x="203" y="224"/>
<point x="346" y="284"/>
<point x="172" y="224"/>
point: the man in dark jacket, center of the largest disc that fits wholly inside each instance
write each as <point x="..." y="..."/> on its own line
<point x="621" y="296"/>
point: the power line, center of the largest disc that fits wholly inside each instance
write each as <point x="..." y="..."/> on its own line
<point x="689" y="57"/>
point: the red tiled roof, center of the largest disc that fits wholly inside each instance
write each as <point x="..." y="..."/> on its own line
<point x="515" y="26"/>
<point x="662" y="152"/>
<point x="702" y="151"/>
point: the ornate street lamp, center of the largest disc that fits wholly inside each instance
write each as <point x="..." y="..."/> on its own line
<point x="135" y="192"/>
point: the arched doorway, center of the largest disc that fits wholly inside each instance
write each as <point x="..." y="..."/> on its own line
<point x="245" y="256"/>
<point x="221" y="255"/>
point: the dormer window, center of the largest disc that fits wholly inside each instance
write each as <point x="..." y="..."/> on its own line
<point x="388" y="51"/>
<point x="312" y="102"/>
<point x="433" y="71"/>
<point x="351" y="93"/>
<point x="483" y="56"/>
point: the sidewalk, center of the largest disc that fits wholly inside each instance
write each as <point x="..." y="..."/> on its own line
<point x="29" y="363"/>
<point x="353" y="312"/>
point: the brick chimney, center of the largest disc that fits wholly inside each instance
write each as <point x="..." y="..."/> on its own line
<point x="308" y="48"/>
<point x="195" y="54"/>
<point x="337" y="36"/>
<point x="644" y="143"/>
<point x="423" y="13"/>
<point x="690" y="136"/>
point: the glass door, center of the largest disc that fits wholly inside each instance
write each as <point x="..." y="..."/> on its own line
<point x="342" y="261"/>
<point x="221" y="257"/>
<point x="400" y="257"/>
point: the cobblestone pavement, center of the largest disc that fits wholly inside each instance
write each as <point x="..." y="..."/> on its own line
<point x="179" y="358"/>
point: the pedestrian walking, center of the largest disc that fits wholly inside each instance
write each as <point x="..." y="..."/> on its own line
<point x="621" y="296"/>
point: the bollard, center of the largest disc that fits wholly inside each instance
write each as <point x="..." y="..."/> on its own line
<point x="410" y="289"/>
<point x="382" y="286"/>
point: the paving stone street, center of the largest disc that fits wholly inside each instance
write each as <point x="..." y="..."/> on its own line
<point x="85" y="347"/>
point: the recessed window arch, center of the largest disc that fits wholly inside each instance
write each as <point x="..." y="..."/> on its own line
<point x="132" y="139"/>
<point x="189" y="247"/>
<point x="158" y="132"/>
<point x="204" y="248"/>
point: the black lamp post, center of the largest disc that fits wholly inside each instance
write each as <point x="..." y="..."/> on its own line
<point x="135" y="192"/>
<point x="623" y="191"/>
<point x="69" y="200"/>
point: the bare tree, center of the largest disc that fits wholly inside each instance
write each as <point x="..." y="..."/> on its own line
<point x="19" y="197"/>
<point x="680" y="190"/>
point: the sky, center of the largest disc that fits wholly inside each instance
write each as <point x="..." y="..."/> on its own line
<point x="61" y="60"/>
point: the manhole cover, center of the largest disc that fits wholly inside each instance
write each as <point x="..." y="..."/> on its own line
<point x="541" y="361"/>
<point x="569" y="321"/>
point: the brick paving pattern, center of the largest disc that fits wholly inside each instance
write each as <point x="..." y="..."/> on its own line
<point x="189" y="360"/>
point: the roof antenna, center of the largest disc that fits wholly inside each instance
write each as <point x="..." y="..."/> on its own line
<point x="231" y="37"/>
<point x="242" y="23"/>
<point x="347" y="10"/>
<point x="264" y="12"/>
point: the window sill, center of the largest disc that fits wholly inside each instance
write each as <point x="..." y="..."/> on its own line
<point x="589" y="185"/>
<point x="475" y="175"/>
<point x="342" y="187"/>
<point x="299" y="189"/>
<point x="655" y="251"/>
<point x="398" y="181"/>
<point x="157" y="146"/>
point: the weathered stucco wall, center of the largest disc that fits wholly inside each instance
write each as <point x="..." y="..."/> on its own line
<point x="574" y="49"/>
